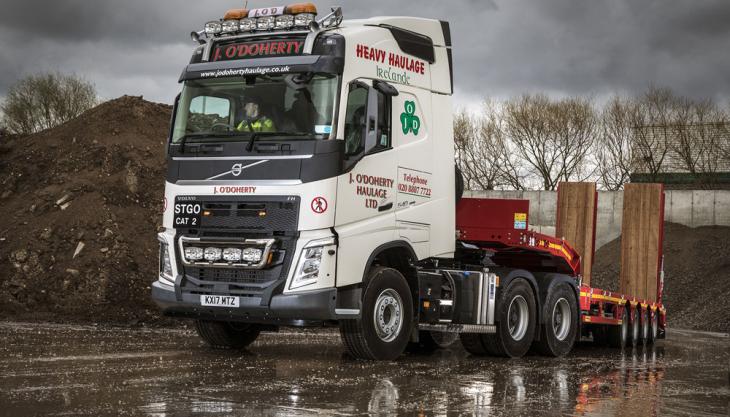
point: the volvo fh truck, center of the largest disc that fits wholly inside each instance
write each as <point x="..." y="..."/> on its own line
<point x="311" y="181"/>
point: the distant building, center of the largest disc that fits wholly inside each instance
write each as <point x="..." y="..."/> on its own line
<point x="693" y="156"/>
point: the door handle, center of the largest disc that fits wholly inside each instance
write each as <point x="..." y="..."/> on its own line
<point x="385" y="207"/>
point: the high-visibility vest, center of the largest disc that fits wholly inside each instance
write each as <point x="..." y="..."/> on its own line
<point x="259" y="125"/>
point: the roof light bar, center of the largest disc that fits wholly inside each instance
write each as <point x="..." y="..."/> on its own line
<point x="298" y="15"/>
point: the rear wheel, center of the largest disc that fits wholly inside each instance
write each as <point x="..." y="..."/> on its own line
<point x="644" y="336"/>
<point x="383" y="331"/>
<point x="634" y="333"/>
<point x="558" y="332"/>
<point x="515" y="327"/>
<point x="654" y="327"/>
<point x="227" y="335"/>
<point x="618" y="336"/>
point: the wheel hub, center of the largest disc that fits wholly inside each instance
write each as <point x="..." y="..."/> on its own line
<point x="561" y="319"/>
<point x="388" y="315"/>
<point x="517" y="318"/>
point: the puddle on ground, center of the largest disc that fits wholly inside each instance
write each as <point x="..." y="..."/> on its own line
<point x="76" y="370"/>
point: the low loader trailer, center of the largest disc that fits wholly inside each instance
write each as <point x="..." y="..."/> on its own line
<point x="311" y="181"/>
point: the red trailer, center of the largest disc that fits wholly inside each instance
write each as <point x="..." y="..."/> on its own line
<point x="500" y="227"/>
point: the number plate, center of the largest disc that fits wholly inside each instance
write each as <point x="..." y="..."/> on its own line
<point x="186" y="214"/>
<point x="218" y="301"/>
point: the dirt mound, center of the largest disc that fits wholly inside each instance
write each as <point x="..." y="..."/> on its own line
<point x="696" y="275"/>
<point x="81" y="204"/>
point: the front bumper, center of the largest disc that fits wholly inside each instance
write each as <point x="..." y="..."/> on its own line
<point x="303" y="308"/>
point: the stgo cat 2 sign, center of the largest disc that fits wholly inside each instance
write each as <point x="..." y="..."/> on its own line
<point x="257" y="49"/>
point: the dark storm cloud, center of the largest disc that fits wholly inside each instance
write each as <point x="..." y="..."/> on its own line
<point x="501" y="48"/>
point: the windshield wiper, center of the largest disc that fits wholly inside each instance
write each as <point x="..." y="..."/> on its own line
<point x="256" y="135"/>
<point x="205" y="135"/>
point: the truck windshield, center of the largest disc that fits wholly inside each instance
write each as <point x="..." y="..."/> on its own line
<point x="296" y="105"/>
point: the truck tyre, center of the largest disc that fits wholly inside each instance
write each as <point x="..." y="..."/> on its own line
<point x="618" y="336"/>
<point x="558" y="332"/>
<point x="225" y="335"/>
<point x="473" y="343"/>
<point x="644" y="336"/>
<point x="517" y="316"/>
<point x="383" y="330"/>
<point x="633" y="327"/>
<point x="654" y="327"/>
<point x="429" y="341"/>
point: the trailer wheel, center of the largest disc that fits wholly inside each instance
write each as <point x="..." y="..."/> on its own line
<point x="654" y="327"/>
<point x="618" y="336"/>
<point x="558" y="332"/>
<point x="644" y="336"/>
<point x="634" y="333"/>
<point x="383" y="331"/>
<point x="225" y="335"/>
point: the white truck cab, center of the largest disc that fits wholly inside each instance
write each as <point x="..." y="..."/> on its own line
<point x="310" y="167"/>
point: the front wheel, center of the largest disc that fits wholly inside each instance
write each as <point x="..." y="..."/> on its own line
<point x="225" y="335"/>
<point x="383" y="330"/>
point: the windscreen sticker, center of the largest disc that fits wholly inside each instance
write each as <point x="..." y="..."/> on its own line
<point x="323" y="129"/>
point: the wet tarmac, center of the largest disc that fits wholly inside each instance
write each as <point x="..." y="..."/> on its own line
<point x="48" y="369"/>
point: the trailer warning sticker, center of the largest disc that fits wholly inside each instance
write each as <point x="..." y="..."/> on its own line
<point x="521" y="221"/>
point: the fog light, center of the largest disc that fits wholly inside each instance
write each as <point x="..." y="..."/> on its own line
<point x="251" y="255"/>
<point x="232" y="254"/>
<point x="213" y="254"/>
<point x="193" y="253"/>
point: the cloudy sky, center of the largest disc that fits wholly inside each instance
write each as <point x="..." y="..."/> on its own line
<point x="501" y="47"/>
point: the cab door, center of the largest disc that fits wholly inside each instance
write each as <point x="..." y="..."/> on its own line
<point x="366" y="192"/>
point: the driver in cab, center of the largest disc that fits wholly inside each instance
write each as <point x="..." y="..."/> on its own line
<point x="254" y="120"/>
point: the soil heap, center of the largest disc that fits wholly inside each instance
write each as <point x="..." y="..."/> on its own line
<point x="81" y="204"/>
<point x="696" y="275"/>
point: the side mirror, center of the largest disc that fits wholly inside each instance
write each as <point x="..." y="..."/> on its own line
<point x="172" y="123"/>
<point x="385" y="88"/>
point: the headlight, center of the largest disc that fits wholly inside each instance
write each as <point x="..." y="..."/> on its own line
<point x="284" y="21"/>
<point x="303" y="19"/>
<point x="232" y="254"/>
<point x="212" y="254"/>
<point x="229" y="26"/>
<point x="193" y="253"/>
<point x="307" y="271"/>
<point x="248" y="24"/>
<point x="265" y="23"/>
<point x="213" y="28"/>
<point x="165" y="262"/>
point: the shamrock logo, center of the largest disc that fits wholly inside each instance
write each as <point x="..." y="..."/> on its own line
<point x="408" y="119"/>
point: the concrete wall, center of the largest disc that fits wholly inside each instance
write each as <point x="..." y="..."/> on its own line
<point x="691" y="208"/>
